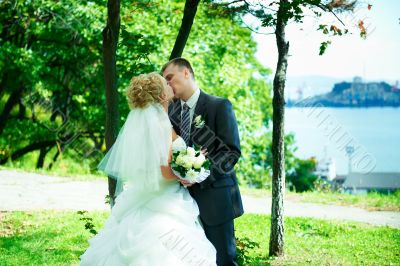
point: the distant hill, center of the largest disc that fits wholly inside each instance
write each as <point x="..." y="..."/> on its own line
<point x="355" y="94"/>
<point x="310" y="85"/>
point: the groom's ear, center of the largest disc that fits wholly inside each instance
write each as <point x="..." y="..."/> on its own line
<point x="186" y="72"/>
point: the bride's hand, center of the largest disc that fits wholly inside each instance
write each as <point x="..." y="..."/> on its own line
<point x="185" y="183"/>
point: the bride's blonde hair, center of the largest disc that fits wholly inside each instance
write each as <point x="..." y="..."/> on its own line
<point x="145" y="89"/>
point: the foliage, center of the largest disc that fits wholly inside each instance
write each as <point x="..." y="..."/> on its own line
<point x="243" y="248"/>
<point x="56" y="56"/>
<point x="88" y="222"/>
<point x="225" y="65"/>
<point x="294" y="11"/>
<point x="302" y="177"/>
<point x="276" y="15"/>
<point x="261" y="156"/>
<point x="59" y="238"/>
<point x="322" y="185"/>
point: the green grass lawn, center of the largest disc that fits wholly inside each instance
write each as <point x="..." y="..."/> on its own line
<point x="59" y="238"/>
<point x="370" y="201"/>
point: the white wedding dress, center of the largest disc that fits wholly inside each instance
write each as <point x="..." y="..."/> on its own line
<point x="151" y="227"/>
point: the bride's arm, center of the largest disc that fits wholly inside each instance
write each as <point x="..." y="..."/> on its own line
<point x="174" y="135"/>
<point x="166" y="171"/>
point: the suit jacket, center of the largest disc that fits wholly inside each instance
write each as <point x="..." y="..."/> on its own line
<point x="218" y="197"/>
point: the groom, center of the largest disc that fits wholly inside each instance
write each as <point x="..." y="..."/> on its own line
<point x="209" y="122"/>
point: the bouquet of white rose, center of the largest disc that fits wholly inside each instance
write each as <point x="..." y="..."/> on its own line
<point x="190" y="164"/>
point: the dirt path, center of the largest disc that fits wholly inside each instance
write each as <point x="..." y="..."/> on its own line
<point x="29" y="191"/>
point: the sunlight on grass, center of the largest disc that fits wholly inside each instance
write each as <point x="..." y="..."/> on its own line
<point x="59" y="238"/>
<point x="318" y="242"/>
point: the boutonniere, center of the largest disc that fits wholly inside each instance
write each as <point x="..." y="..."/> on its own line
<point x="199" y="122"/>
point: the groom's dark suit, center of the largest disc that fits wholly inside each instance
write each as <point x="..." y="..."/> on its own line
<point x="218" y="197"/>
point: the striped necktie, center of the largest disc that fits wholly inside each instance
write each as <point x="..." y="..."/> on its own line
<point x="185" y="124"/>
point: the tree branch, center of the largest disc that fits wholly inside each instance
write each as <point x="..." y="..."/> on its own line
<point x="31" y="147"/>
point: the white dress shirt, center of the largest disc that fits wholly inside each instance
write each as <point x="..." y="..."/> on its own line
<point x="191" y="102"/>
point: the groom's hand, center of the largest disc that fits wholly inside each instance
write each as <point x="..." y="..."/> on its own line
<point x="204" y="151"/>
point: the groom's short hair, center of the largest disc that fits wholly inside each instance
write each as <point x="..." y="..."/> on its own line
<point x="181" y="62"/>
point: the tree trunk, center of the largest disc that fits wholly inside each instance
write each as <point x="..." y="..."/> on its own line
<point x="110" y="40"/>
<point x="42" y="157"/>
<point x="11" y="102"/>
<point x="276" y="243"/>
<point x="54" y="158"/>
<point x="3" y="82"/>
<point x="22" y="109"/>
<point x="189" y="13"/>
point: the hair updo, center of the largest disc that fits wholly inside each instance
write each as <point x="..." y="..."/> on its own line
<point x="144" y="90"/>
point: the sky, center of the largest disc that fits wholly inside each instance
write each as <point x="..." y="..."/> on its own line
<point x="375" y="58"/>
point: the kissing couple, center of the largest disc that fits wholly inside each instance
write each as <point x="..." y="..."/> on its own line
<point x="158" y="217"/>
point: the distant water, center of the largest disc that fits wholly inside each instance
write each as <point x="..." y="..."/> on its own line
<point x="374" y="134"/>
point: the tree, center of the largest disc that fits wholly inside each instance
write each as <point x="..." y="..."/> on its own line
<point x="276" y="15"/>
<point x="225" y="65"/>
<point x="44" y="66"/>
<point x="110" y="41"/>
<point x="278" y="147"/>
<point x="58" y="55"/>
<point x="189" y="13"/>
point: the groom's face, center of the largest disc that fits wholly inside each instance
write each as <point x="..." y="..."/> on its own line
<point x="177" y="77"/>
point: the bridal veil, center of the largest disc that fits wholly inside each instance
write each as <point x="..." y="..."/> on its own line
<point x="142" y="146"/>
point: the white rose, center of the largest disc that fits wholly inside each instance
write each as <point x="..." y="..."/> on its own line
<point x="202" y="158"/>
<point x="198" y="122"/>
<point x="201" y="124"/>
<point x="179" y="159"/>
<point x="191" y="175"/>
<point x="197" y="119"/>
<point x="187" y="161"/>
<point x="191" y="152"/>
<point x="198" y="161"/>
<point x="178" y="145"/>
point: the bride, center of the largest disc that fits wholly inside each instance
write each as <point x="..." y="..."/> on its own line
<point x="154" y="220"/>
